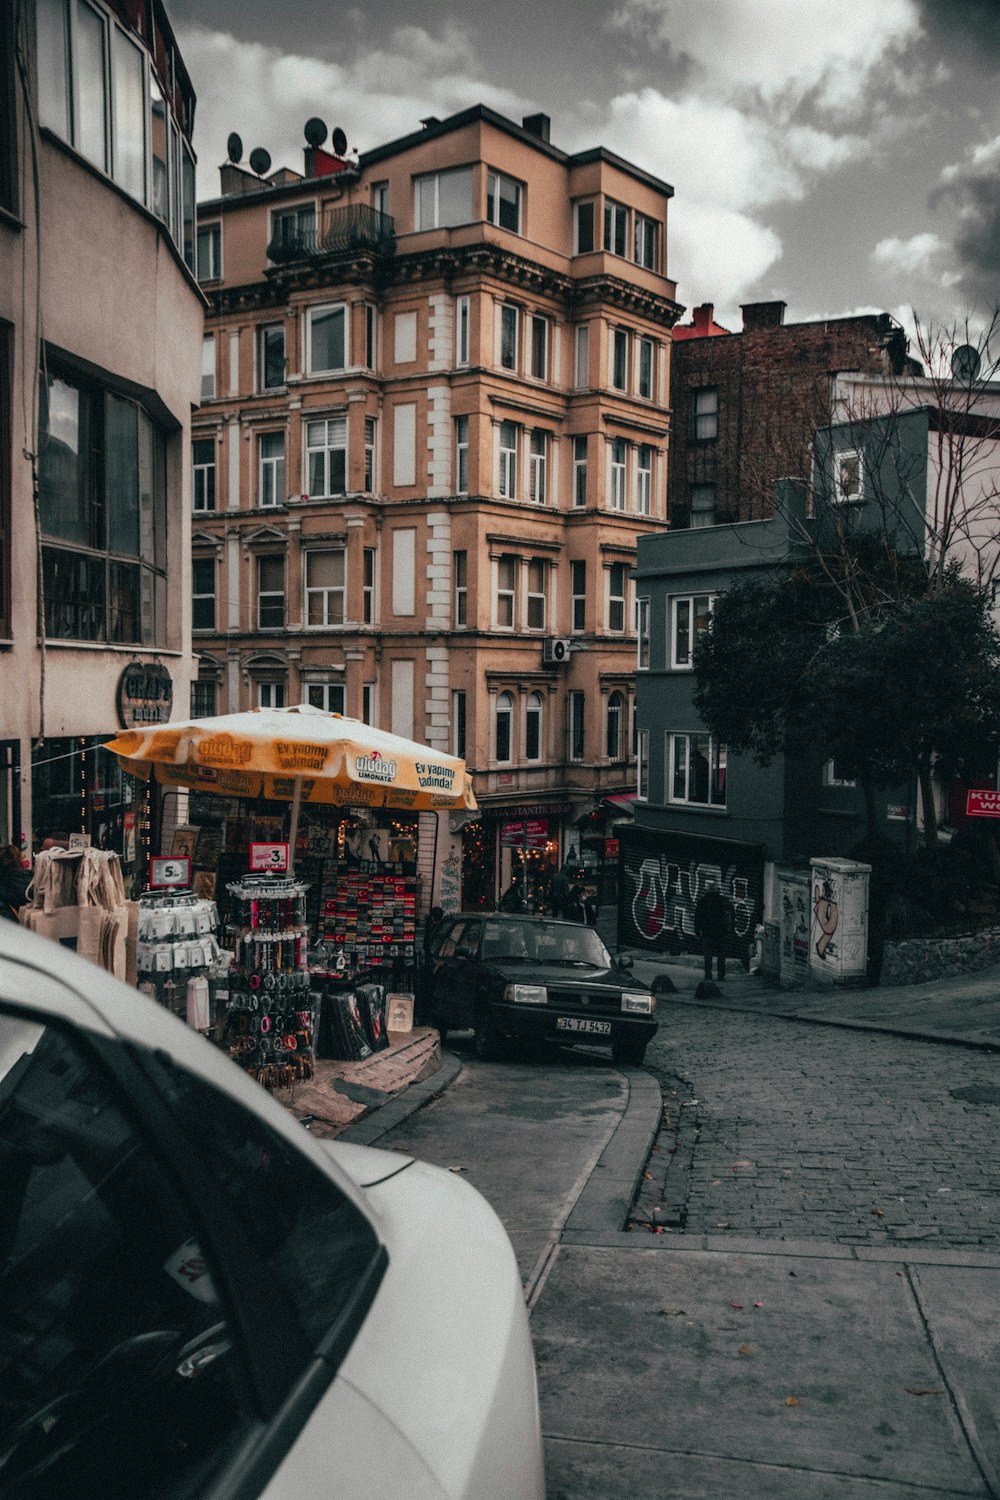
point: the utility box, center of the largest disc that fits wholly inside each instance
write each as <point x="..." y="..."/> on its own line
<point x="795" y="902"/>
<point x="838" y="938"/>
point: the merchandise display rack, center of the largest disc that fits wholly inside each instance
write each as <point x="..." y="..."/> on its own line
<point x="271" y="1021"/>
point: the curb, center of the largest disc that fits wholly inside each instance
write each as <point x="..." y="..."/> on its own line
<point x="378" y="1121"/>
<point x="604" y="1203"/>
<point x="912" y="1033"/>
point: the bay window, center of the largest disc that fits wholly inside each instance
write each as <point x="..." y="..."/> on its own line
<point x="619" y="359"/>
<point x="326" y="456"/>
<point x="508" y="336"/>
<point x="644" y="479"/>
<point x="506" y="591"/>
<point x="580" y="470"/>
<point x="645" y="242"/>
<point x="540" y="347"/>
<point x="615" y="227"/>
<point x="696" y="768"/>
<point x="616" y="597"/>
<point x="644" y="382"/>
<point x="461" y="455"/>
<point x="619" y="460"/>
<point x="690" y="617"/>
<point x="443" y="199"/>
<point x="326" y="587"/>
<point x="271" y="356"/>
<point x="508" y="460"/>
<point x="326" y="339"/>
<point x="578" y="595"/>
<point x="271" y="458"/>
<point x="535" y="594"/>
<point x="503" y="201"/>
<point x="537" y="466"/>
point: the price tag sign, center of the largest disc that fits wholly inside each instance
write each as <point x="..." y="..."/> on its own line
<point x="982" y="804"/>
<point x="269" y="857"/>
<point x="169" y="871"/>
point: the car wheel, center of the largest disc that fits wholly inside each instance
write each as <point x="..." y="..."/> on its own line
<point x="629" y="1054"/>
<point x="489" y="1042"/>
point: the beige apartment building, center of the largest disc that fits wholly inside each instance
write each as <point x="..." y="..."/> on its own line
<point x="100" y="330"/>
<point x="434" y="419"/>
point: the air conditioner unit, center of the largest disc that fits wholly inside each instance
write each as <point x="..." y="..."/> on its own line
<point x="555" y="651"/>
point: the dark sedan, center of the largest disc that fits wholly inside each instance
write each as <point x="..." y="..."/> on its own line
<point x="533" y="977"/>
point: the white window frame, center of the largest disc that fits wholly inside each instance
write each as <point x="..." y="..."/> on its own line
<point x="332" y="695"/>
<point x="613" y="600"/>
<point x="536" y="572"/>
<point x="271" y="468"/>
<point x="616" y="213"/>
<point x="717" y="763"/>
<point x="369" y="585"/>
<point x="581" y="357"/>
<point x="463" y="316"/>
<point x="460" y="588"/>
<point x="619" y="339"/>
<point x="507" y="484"/>
<point x="536" y="321"/>
<point x="199" y="472"/>
<point x="578" y="595"/>
<point x="263" y="330"/>
<point x="645" y="382"/>
<point x="271" y="594"/>
<point x="616" y="706"/>
<point x="580" y="446"/>
<point x="505" y="706"/>
<point x="271" y="693"/>
<point x="326" y="448"/>
<point x="618" y="474"/>
<point x="380" y="197"/>
<point x="576" y="718"/>
<point x="700" y="514"/>
<point x="368" y="702"/>
<point x="673" y="606"/>
<point x="534" y="707"/>
<point x="214" y="271"/>
<point x="493" y="182"/>
<point x="590" y="203"/>
<point x="506" y="591"/>
<point x="311" y="313"/>
<point x="645" y="238"/>
<point x="538" y="466"/>
<point x="642" y="633"/>
<point x="509" y="312"/>
<point x="461" y="455"/>
<point x="300" y="211"/>
<point x="209" y="377"/>
<point x="436" y="178"/>
<point x="705" y="414"/>
<point x="842" y="458"/>
<point x="459" y="719"/>
<point x="830" y="777"/>
<point x="371" y="439"/>
<point x="213" y="595"/>
<point x="371" y="336"/>
<point x="644" y="480"/>
<point x="642" y="766"/>
<point x="325" y="593"/>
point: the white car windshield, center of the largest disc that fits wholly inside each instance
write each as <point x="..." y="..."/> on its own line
<point x="543" y="943"/>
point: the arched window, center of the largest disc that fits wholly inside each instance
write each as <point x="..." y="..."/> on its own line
<point x="533" y="728"/>
<point x="616" y="707"/>
<point x="505" y="723"/>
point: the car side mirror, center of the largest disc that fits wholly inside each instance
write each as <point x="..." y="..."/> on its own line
<point x="626" y="961"/>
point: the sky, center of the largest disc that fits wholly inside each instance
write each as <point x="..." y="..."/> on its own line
<point x="841" y="155"/>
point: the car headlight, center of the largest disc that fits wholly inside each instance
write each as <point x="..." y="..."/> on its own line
<point x="525" y="994"/>
<point x="636" y="1004"/>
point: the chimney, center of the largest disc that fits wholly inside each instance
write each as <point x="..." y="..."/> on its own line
<point x="761" y="315"/>
<point x="537" y="125"/>
<point x="429" y="121"/>
<point x="702" y="318"/>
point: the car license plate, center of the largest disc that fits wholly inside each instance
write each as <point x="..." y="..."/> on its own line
<point x="583" y="1023"/>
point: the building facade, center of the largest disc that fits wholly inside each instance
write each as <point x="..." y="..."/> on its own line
<point x="100" y="333"/>
<point x="433" y="422"/>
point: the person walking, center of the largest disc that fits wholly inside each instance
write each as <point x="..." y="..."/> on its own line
<point x="713" y="924"/>
<point x="512" y="900"/>
<point x="559" y="891"/>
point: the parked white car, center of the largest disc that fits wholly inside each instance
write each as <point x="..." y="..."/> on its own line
<point x="199" y="1299"/>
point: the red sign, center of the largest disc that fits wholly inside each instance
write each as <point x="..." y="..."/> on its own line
<point x="269" y="857"/>
<point x="982" y="804"/>
<point x="530" y="833"/>
<point x="611" y="847"/>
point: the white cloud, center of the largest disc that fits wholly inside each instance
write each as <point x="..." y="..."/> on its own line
<point x="782" y="49"/>
<point x="716" y="255"/>
<point x="913" y="254"/>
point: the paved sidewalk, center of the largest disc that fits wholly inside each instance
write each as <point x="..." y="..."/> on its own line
<point x="342" y="1093"/>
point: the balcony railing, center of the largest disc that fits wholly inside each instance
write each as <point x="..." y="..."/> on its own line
<point x="353" y="227"/>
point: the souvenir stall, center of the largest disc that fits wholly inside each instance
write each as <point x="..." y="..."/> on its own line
<point x="353" y="792"/>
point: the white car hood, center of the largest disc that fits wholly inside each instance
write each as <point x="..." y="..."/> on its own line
<point x="367" y="1165"/>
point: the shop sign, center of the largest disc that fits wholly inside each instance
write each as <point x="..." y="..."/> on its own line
<point x="169" y="871"/>
<point x="527" y="833"/>
<point x="145" y="694"/>
<point x="268" y="857"/>
<point x="898" y="812"/>
<point x="529" y="810"/>
<point x="982" y="804"/>
<point x="611" y="848"/>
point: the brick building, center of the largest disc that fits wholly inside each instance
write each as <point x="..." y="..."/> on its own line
<point x="746" y="404"/>
<point x="434" y="419"/>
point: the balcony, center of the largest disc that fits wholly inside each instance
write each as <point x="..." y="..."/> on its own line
<point x="354" y="227"/>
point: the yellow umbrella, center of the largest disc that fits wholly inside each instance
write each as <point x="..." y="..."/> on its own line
<point x="296" y="755"/>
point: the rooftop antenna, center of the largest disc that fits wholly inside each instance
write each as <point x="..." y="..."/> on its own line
<point x="260" y="160"/>
<point x="965" y="363"/>
<point x="234" y="148"/>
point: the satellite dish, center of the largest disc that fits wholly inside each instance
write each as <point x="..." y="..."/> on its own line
<point x="260" y="160"/>
<point x="339" y="141"/>
<point x="315" y="132"/>
<point x="965" y="363"/>
<point x="234" y="146"/>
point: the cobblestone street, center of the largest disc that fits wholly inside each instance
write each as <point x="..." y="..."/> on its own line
<point x="792" y="1131"/>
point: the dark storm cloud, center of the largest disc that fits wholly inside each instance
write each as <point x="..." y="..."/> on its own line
<point x="969" y="27"/>
<point x="973" y="195"/>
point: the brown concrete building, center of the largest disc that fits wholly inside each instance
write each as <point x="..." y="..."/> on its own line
<point x="100" y="332"/>
<point x="434" y="419"/>
<point x="746" y="405"/>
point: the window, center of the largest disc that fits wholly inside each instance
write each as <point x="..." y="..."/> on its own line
<point x="616" y="596"/>
<point x="370" y="350"/>
<point x="158" y="131"/>
<point x="582" y="365"/>
<point x="461" y="455"/>
<point x="697" y="770"/>
<point x="504" y="727"/>
<point x="579" y="470"/>
<point x="443" y="199"/>
<point x="540" y="347"/>
<point x="537" y="466"/>
<point x="619" y="359"/>
<point x="293" y="230"/>
<point x="102" y="1257"/>
<point x="209" y="252"/>
<point x="576" y="720"/>
<point x="380" y="197"/>
<point x="642" y="634"/>
<point x="90" y="84"/>
<point x="578" y="595"/>
<point x="508" y="336"/>
<point x="614" y="726"/>
<point x="508" y="460"/>
<point x="270" y="695"/>
<point x="128" y="123"/>
<point x="535" y="612"/>
<point x="503" y="201"/>
<point x="270" y="593"/>
<point x="329" y="696"/>
<point x="848" y="475"/>
<point x="102" y="507"/>
<point x="271" y="448"/>
<point x="461" y="330"/>
<point x="203" y="464"/>
<point x="615" y="227"/>
<point x="644" y="384"/>
<point x="645" y="242"/>
<point x="326" y="339"/>
<point x="203" y="593"/>
<point x="369" y="585"/>
<point x="271" y="356"/>
<point x="835" y="775"/>
<point x="208" y="367"/>
<point x="369" y="477"/>
<point x="533" y="727"/>
<point x="458" y="723"/>
<point x="702" y="505"/>
<point x="460" y="574"/>
<point x="506" y="591"/>
<point x="691" y="617"/>
<point x="583" y="228"/>
<point x="368" y="703"/>
<point x="326" y="587"/>
<point x="644" y="480"/>
<point x="705" y="413"/>
<point x="326" y="456"/>
<point x="203" y="695"/>
<point x="642" y="766"/>
<point x="619" y="476"/>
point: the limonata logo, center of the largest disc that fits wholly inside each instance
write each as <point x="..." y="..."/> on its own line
<point x="375" y="767"/>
